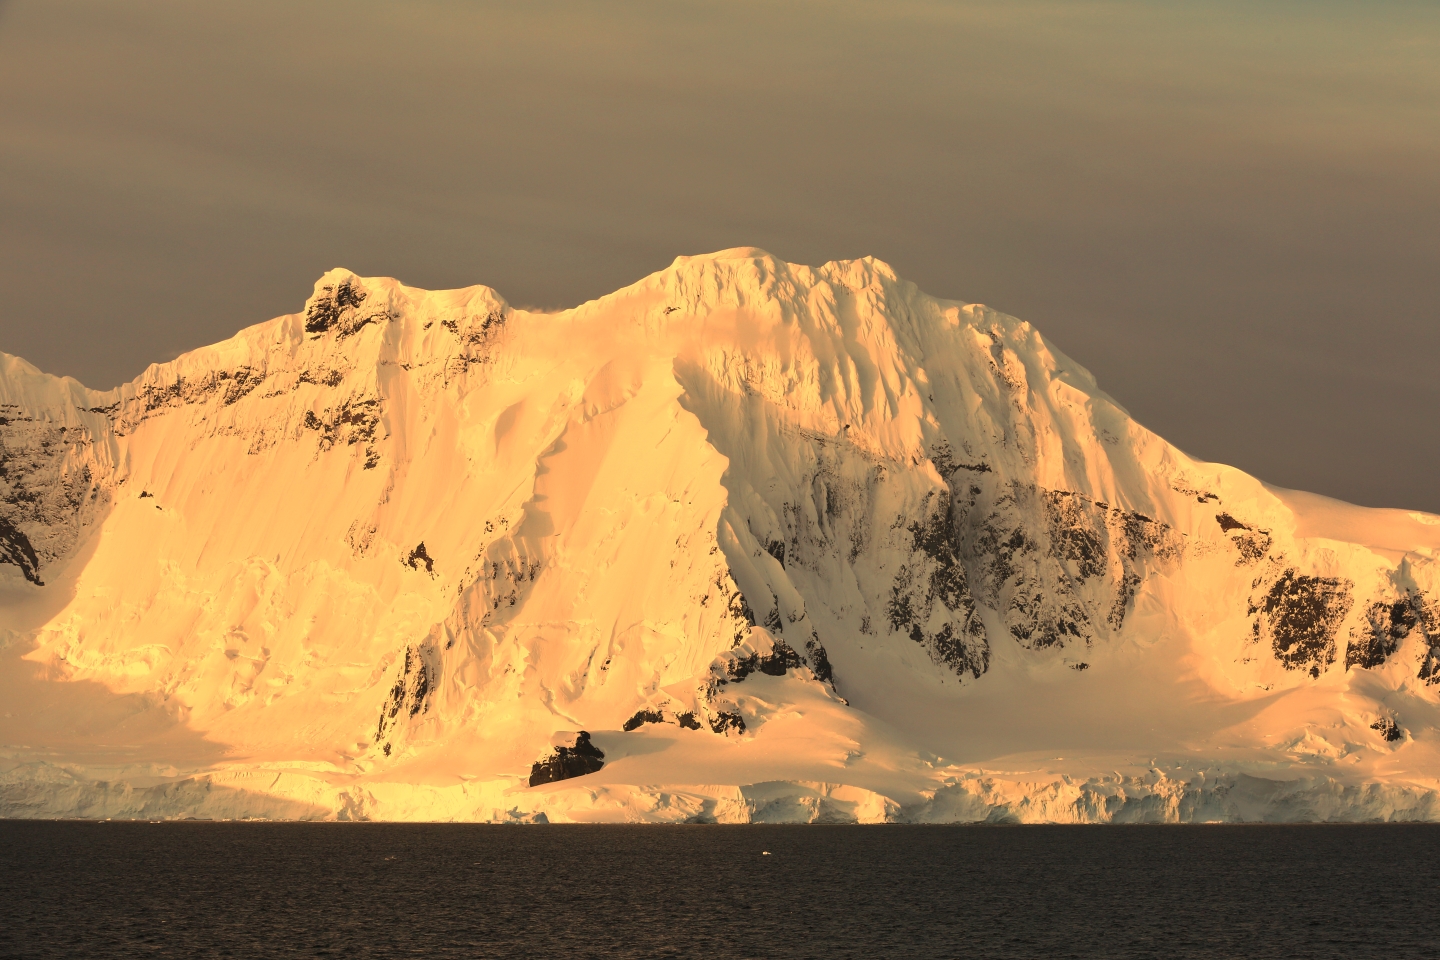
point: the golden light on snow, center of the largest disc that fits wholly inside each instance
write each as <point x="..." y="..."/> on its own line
<point x="744" y="541"/>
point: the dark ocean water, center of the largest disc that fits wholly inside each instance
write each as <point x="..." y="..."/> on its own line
<point x="285" y="890"/>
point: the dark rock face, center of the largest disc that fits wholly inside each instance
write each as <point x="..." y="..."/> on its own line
<point x="419" y="557"/>
<point x="156" y="398"/>
<point x="510" y="580"/>
<point x="686" y="720"/>
<point x="480" y="332"/>
<point x="1427" y="613"/>
<point x="781" y="658"/>
<point x="332" y="379"/>
<point x="15" y="548"/>
<point x="479" y="337"/>
<point x="1228" y="523"/>
<point x="337" y="308"/>
<point x="411" y="692"/>
<point x="48" y="491"/>
<point x="568" y="762"/>
<point x="643" y="717"/>
<point x="1057" y="568"/>
<point x="1069" y="579"/>
<point x="1387" y="624"/>
<point x="1299" y="617"/>
<point x="355" y="421"/>
<point x="935" y="576"/>
<point x="1388" y="729"/>
<point x="943" y="457"/>
<point x="727" y="720"/>
<point x="1251" y="544"/>
<point x="819" y="660"/>
<point x="1252" y="547"/>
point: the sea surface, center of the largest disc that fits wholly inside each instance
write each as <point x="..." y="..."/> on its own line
<point x="75" y="889"/>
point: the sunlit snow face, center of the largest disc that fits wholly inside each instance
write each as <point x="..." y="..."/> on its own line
<point x="420" y="554"/>
<point x="1226" y="210"/>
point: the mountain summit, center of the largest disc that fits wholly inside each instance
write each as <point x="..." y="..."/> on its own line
<point x="744" y="541"/>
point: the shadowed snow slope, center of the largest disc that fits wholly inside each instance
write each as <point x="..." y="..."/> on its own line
<point x="785" y="543"/>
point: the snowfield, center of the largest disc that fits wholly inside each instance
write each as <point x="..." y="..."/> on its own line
<point x="744" y="542"/>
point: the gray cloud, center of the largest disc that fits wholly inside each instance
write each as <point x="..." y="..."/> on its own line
<point x="1227" y="211"/>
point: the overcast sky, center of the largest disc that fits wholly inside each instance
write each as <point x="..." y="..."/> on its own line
<point x="1230" y="212"/>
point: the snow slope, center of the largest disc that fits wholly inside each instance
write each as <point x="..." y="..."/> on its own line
<point x="787" y="543"/>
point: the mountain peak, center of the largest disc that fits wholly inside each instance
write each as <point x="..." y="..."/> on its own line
<point x="732" y="253"/>
<point x="831" y="546"/>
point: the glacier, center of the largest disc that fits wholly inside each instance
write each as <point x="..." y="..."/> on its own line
<point x="747" y="541"/>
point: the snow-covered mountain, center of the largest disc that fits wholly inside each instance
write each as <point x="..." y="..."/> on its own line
<point x="744" y="541"/>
